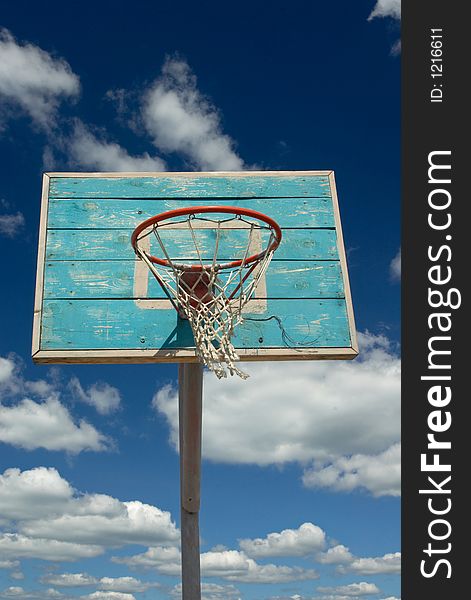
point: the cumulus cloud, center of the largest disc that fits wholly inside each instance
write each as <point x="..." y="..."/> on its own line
<point x="102" y="396"/>
<point x="389" y="563"/>
<point x="336" y="409"/>
<point x="292" y="597"/>
<point x="32" y="494"/>
<point x="101" y="519"/>
<point x="386" y="8"/>
<point x="125" y="584"/>
<point x="338" y="554"/>
<point x="48" y="425"/>
<point x="7" y="369"/>
<point x="12" y="383"/>
<point x="162" y="558"/>
<point x="9" y="564"/>
<point x="22" y="594"/>
<point x="211" y="591"/>
<point x="11" y="225"/>
<point x="88" y="151"/>
<point x="351" y="590"/>
<point x="108" y="584"/>
<point x="13" y="545"/>
<point x="180" y="119"/>
<point x="33" y="81"/>
<point x="231" y="565"/>
<point x="380" y="474"/>
<point x="234" y="565"/>
<point x="305" y="540"/>
<point x="55" y="522"/>
<point x="69" y="579"/>
<point x="101" y="595"/>
<point x="395" y="267"/>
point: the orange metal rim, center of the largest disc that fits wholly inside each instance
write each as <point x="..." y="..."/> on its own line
<point x="181" y="212"/>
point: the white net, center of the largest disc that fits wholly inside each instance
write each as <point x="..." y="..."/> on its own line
<point x="209" y="293"/>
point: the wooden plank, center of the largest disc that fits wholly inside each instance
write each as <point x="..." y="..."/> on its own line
<point x="343" y="263"/>
<point x="192" y="185"/>
<point x="297" y="244"/>
<point x="120" y="324"/>
<point x="129" y="357"/>
<point x="115" y="279"/>
<point x="128" y="213"/>
<point x="38" y="297"/>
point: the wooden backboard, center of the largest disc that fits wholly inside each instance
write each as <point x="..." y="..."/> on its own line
<point x="96" y="303"/>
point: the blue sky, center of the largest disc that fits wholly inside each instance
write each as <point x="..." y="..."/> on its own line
<point x="300" y="493"/>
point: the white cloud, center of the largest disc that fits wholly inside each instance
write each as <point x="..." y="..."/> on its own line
<point x="105" y="584"/>
<point x="22" y="594"/>
<point x="292" y="597"/>
<point x="13" y="384"/>
<point x="11" y="225"/>
<point x="32" y="494"/>
<point x="101" y="519"/>
<point x="158" y="557"/>
<point x="108" y="584"/>
<point x="17" y="575"/>
<point x="9" y="564"/>
<point x="55" y="522"/>
<point x="395" y="267"/>
<point x="100" y="595"/>
<point x="69" y="579"/>
<point x="87" y="151"/>
<point x="125" y="584"/>
<point x="13" y="545"/>
<point x="386" y="8"/>
<point x="396" y="48"/>
<point x="305" y="540"/>
<point x="180" y="119"/>
<point x="336" y="409"/>
<point x="48" y="425"/>
<point x="389" y="563"/>
<point x="34" y="81"/>
<point x="104" y="397"/>
<point x="351" y="590"/>
<point x="380" y="474"/>
<point x="232" y="565"/>
<point x="7" y="368"/>
<point x="211" y="591"/>
<point x="339" y="554"/>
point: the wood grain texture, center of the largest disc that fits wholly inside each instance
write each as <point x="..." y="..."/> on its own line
<point x="39" y="288"/>
<point x="296" y="244"/>
<point x="115" y="279"/>
<point x="128" y="213"/>
<point x="95" y="304"/>
<point x="192" y="186"/>
<point x="120" y="324"/>
<point x="182" y="355"/>
<point x="343" y="263"/>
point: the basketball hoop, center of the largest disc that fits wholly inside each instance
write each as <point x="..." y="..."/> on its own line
<point x="208" y="291"/>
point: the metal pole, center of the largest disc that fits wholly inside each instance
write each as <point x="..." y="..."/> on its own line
<point x="190" y="382"/>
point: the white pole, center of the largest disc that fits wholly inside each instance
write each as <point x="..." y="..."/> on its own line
<point x="190" y="382"/>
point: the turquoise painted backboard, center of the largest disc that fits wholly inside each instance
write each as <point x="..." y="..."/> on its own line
<point x="96" y="302"/>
